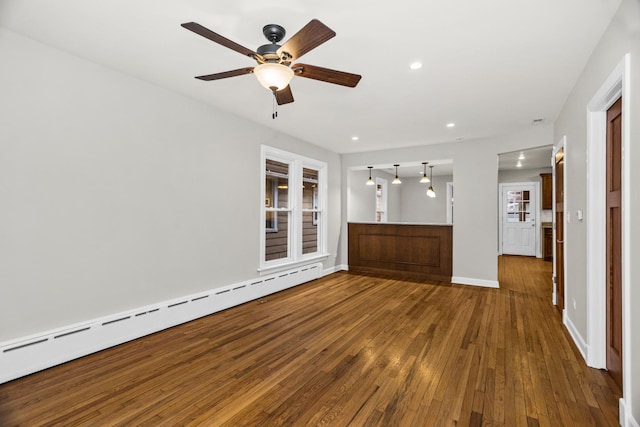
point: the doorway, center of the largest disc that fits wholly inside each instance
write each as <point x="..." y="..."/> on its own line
<point x="614" y="87"/>
<point x="381" y="199"/>
<point x="518" y="212"/>
<point x="614" y="242"/>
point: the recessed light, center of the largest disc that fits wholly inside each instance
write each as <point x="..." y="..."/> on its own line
<point x="450" y="125"/>
<point x="415" y="66"/>
<point x="521" y="156"/>
<point x="354" y="138"/>
<point x="519" y="165"/>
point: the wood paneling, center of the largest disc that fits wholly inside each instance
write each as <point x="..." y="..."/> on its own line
<point x="344" y="350"/>
<point x="422" y="251"/>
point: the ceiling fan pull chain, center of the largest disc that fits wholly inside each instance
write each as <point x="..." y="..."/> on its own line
<point x="275" y="107"/>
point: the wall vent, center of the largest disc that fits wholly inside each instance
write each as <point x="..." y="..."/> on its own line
<point x="66" y="334"/>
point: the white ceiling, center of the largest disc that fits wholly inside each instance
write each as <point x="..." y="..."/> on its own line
<point x="489" y="66"/>
<point x="533" y="158"/>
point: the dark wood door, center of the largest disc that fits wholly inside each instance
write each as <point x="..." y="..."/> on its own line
<point x="614" y="242"/>
<point x="559" y="220"/>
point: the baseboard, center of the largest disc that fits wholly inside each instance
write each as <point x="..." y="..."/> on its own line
<point x="626" y="417"/>
<point x="335" y="269"/>
<point x="475" y="282"/>
<point x="583" y="348"/>
<point x="33" y="353"/>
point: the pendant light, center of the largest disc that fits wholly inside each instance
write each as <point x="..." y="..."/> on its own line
<point x="396" y="180"/>
<point x="425" y="179"/>
<point x="370" y="181"/>
<point x="430" y="191"/>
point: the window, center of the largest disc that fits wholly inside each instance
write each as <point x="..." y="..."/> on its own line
<point x="381" y="200"/>
<point x="293" y="220"/>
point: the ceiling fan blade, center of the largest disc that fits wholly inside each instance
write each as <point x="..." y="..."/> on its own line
<point x="284" y="96"/>
<point x="326" y="75"/>
<point x="215" y="37"/>
<point x="309" y="37"/>
<point x="226" y="74"/>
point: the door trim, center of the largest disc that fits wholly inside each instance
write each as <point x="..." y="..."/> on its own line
<point x="538" y="251"/>
<point x="616" y="85"/>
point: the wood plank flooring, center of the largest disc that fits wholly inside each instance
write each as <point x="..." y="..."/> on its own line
<point x="343" y="350"/>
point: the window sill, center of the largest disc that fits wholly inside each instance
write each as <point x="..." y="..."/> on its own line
<point x="286" y="265"/>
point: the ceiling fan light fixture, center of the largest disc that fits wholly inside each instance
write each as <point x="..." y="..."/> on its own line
<point x="273" y="76"/>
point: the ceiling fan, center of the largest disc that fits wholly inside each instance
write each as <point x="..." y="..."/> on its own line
<point x="274" y="70"/>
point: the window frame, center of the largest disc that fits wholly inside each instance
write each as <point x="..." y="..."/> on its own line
<point x="295" y="209"/>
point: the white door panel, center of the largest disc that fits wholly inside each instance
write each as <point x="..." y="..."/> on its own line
<point x="519" y="220"/>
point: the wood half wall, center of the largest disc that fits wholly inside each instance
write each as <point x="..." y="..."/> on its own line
<point x="412" y="250"/>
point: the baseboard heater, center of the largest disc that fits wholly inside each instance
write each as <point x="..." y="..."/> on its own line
<point x="34" y="353"/>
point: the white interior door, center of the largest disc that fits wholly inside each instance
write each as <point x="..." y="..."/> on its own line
<point x="519" y="219"/>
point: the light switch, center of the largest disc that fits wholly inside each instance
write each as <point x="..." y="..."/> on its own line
<point x="579" y="215"/>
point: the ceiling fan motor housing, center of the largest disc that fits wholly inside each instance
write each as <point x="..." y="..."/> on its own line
<point x="274" y="33"/>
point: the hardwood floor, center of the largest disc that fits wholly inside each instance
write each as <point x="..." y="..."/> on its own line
<point x="342" y="350"/>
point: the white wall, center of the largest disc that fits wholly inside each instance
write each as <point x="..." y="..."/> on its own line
<point x="117" y="193"/>
<point x="362" y="197"/>
<point x="475" y="168"/>
<point x="526" y="175"/>
<point x="406" y="202"/>
<point x="622" y="36"/>
<point x="418" y="207"/>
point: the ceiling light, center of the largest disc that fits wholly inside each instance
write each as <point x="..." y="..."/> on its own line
<point x="370" y="181"/>
<point x="521" y="156"/>
<point x="273" y="76"/>
<point x="396" y="180"/>
<point x="415" y="66"/>
<point x="519" y="164"/>
<point x="354" y="138"/>
<point x="430" y="191"/>
<point x="450" y="125"/>
<point x="425" y="178"/>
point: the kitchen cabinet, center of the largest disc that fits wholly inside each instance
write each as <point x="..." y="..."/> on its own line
<point x="547" y="190"/>
<point x="547" y="242"/>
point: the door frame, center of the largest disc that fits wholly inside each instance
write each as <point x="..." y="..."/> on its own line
<point x="538" y="251"/>
<point x="616" y="85"/>
<point x="561" y="145"/>
<point x="450" y="202"/>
